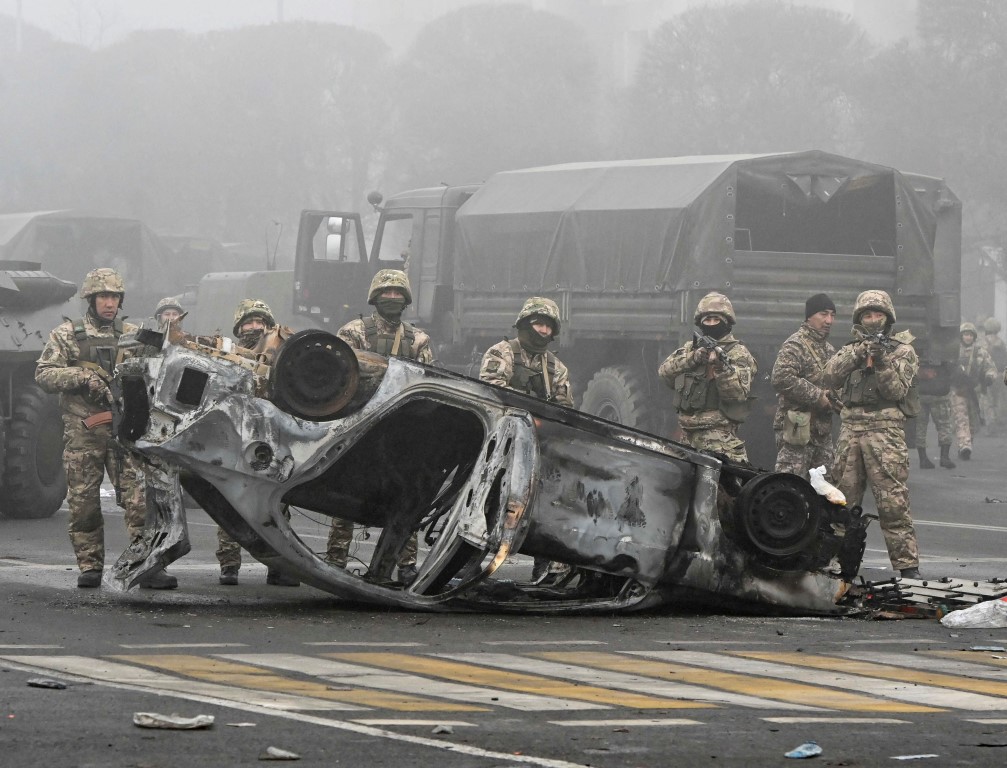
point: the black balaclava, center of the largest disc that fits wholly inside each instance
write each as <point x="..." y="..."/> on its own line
<point x="248" y="339"/>
<point x="718" y="331"/>
<point x="390" y="309"/>
<point x="532" y="341"/>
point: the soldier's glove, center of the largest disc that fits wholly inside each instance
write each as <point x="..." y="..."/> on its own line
<point x="97" y="389"/>
<point x="700" y="357"/>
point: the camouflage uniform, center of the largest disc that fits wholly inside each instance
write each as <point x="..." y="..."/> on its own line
<point x="797" y="379"/>
<point x="89" y="453"/>
<point x="872" y="446"/>
<point x="938" y="408"/>
<point x="228" y="550"/>
<point x="711" y="400"/>
<point x="511" y="364"/>
<point x="975" y="368"/>
<point x="386" y="337"/>
<point x="994" y="399"/>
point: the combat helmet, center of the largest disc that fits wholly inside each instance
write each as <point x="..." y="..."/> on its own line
<point x="715" y="304"/>
<point x="168" y="302"/>
<point x="102" y="280"/>
<point x="390" y="278"/>
<point x="877" y="300"/>
<point x="541" y="307"/>
<point x="992" y="325"/>
<point x="968" y="328"/>
<point x="252" y="308"/>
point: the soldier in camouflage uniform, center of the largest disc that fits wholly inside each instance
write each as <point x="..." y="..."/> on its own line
<point x="77" y="363"/>
<point x="518" y="364"/>
<point x="975" y="369"/>
<point x="938" y="408"/>
<point x="252" y="319"/>
<point x="386" y="333"/>
<point x="874" y="382"/>
<point x="711" y="396"/>
<point x="994" y="400"/>
<point x="168" y="310"/>
<point x="803" y="422"/>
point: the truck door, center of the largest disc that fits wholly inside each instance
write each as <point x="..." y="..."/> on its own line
<point x="331" y="271"/>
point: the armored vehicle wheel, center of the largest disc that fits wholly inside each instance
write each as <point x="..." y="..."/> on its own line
<point x="779" y="514"/>
<point x="617" y="394"/>
<point x="34" y="478"/>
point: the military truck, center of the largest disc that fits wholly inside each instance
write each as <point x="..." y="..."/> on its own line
<point x="44" y="255"/>
<point x="627" y="248"/>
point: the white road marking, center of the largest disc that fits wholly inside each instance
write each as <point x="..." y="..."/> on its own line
<point x="987" y="721"/>
<point x="622" y="681"/>
<point x="543" y="642"/>
<point x="30" y="647"/>
<point x="358" y="644"/>
<point x="926" y="695"/>
<point x="357" y="675"/>
<point x="967" y="526"/>
<point x="923" y="663"/>
<point x="838" y="720"/>
<point x="343" y="725"/>
<point x="425" y="723"/>
<point x="156" y="646"/>
<point x="625" y="723"/>
<point x="886" y="641"/>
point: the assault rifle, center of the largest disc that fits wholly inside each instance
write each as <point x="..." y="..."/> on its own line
<point x="699" y="341"/>
<point x="878" y="339"/>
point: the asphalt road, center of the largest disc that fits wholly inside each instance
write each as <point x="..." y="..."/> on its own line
<point x="339" y="684"/>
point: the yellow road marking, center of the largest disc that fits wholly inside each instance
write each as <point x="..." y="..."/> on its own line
<point x="256" y="678"/>
<point x="975" y="657"/>
<point x="513" y="681"/>
<point x="763" y="687"/>
<point x="884" y="671"/>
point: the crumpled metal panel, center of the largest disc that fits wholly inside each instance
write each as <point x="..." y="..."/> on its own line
<point x="483" y="473"/>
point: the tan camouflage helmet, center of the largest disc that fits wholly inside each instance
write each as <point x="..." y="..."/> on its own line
<point x="992" y="325"/>
<point x="102" y="280"/>
<point x="968" y="328"/>
<point x="541" y="307"/>
<point x="878" y="300"/>
<point x="390" y="278"/>
<point x="252" y="308"/>
<point x="168" y="302"/>
<point x="715" y="304"/>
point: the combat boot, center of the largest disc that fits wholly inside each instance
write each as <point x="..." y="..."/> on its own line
<point x="278" y="578"/>
<point x="946" y="458"/>
<point x="965" y="454"/>
<point x="159" y="580"/>
<point x="910" y="573"/>
<point x="89" y="579"/>
<point x="229" y="575"/>
<point x="925" y="462"/>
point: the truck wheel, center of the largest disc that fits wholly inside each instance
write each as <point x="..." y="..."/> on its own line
<point x="617" y="394"/>
<point x="34" y="477"/>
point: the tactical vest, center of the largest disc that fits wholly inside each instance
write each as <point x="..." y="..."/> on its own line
<point x="528" y="380"/>
<point x="99" y="350"/>
<point x="694" y="393"/>
<point x="382" y="343"/>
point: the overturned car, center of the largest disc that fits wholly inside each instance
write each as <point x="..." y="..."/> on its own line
<point x="483" y="474"/>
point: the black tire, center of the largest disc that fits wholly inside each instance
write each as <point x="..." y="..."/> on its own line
<point x="617" y="394"/>
<point x="34" y="476"/>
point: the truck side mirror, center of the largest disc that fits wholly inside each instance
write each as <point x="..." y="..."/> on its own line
<point x="374" y="198"/>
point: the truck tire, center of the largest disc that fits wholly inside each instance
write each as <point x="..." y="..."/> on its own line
<point x="34" y="476"/>
<point x="617" y="394"/>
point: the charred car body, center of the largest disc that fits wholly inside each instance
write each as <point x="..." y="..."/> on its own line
<point x="482" y="473"/>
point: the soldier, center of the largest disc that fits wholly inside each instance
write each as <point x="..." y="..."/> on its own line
<point x="386" y="333"/>
<point x="874" y="377"/>
<point x="803" y="422"/>
<point x="252" y="319"/>
<point x="77" y="362"/>
<point x="996" y="416"/>
<point x="975" y="369"/>
<point x="168" y="310"/>
<point x="518" y="364"/>
<point x="938" y="408"/>
<point x="712" y="386"/>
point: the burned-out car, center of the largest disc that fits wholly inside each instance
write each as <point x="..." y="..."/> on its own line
<point x="485" y="476"/>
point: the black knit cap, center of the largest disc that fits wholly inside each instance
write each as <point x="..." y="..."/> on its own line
<point x="818" y="303"/>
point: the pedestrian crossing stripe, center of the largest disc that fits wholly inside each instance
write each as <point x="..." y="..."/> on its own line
<point x="974" y="657"/>
<point x="250" y="677"/>
<point x="475" y="674"/>
<point x="780" y="692"/>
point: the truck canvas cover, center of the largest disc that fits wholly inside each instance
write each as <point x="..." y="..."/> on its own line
<point x="674" y="224"/>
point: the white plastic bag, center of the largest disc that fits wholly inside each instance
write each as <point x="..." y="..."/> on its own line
<point x="824" y="488"/>
<point x="990" y="614"/>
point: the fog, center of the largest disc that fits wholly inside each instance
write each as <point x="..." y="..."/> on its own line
<point x="225" y="119"/>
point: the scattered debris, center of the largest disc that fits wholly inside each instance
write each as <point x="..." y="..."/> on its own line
<point x="45" y="682"/>
<point x="985" y="615"/>
<point x="172" y="722"/>
<point x="443" y="729"/>
<point x="807" y="749"/>
<point x="275" y="753"/>
<point x="925" y="598"/>
<point x="992" y="500"/>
